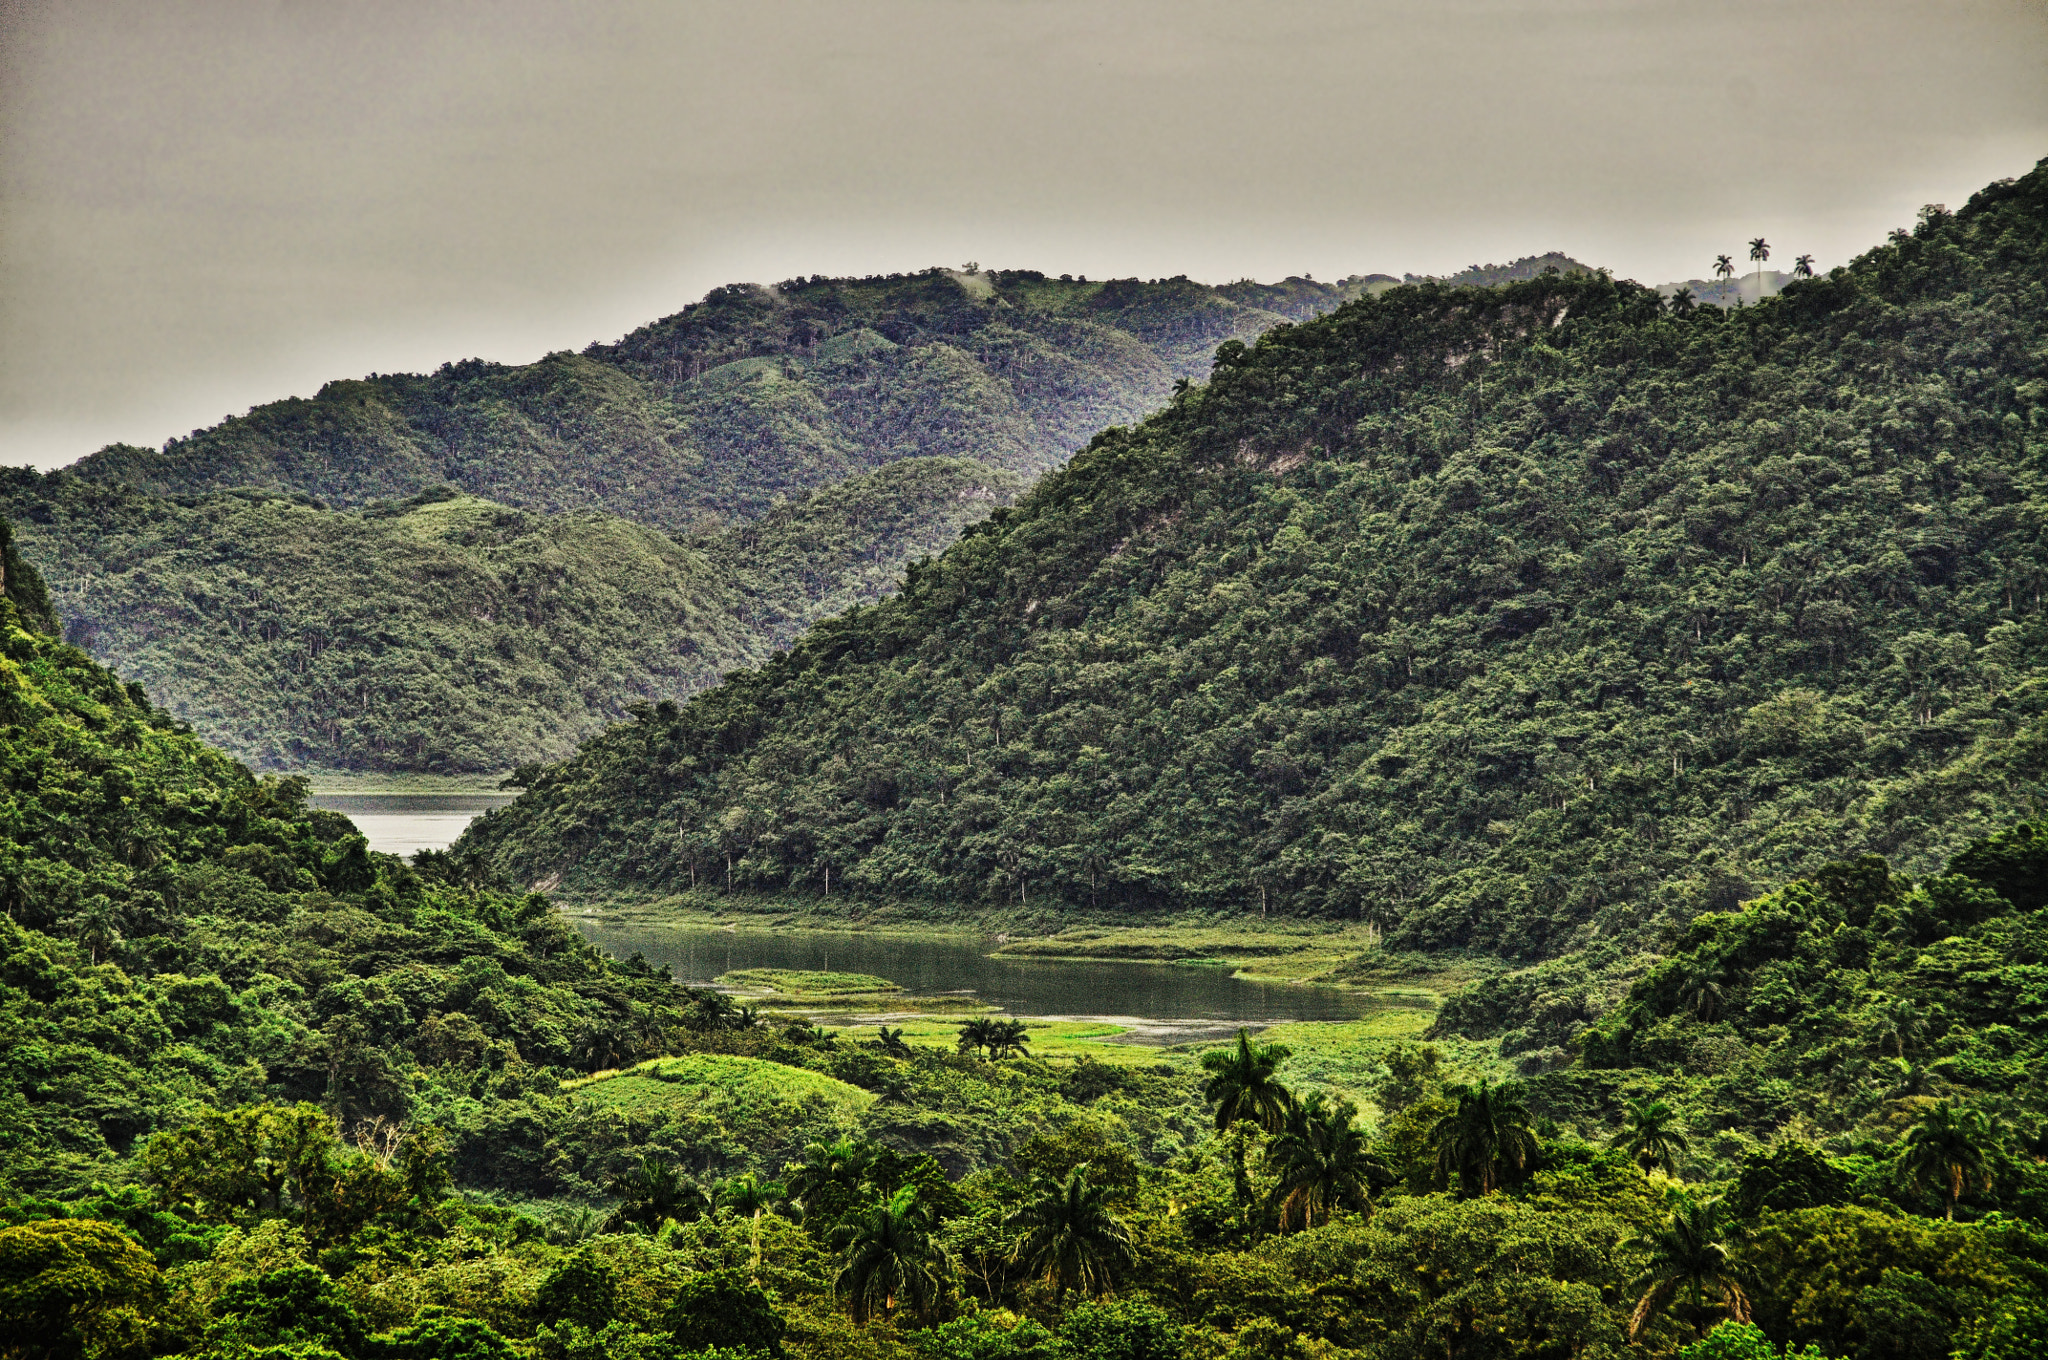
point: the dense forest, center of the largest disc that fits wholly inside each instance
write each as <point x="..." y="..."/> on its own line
<point x="446" y="633"/>
<point x="265" y="1094"/>
<point x="749" y="398"/>
<point x="1507" y="619"/>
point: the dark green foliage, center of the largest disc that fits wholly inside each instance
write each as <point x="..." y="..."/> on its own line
<point x="296" y="1304"/>
<point x="584" y="1290"/>
<point x="745" y="399"/>
<point x="723" y="1308"/>
<point x="1502" y="617"/>
<point x="1790" y="1176"/>
<point x="445" y="633"/>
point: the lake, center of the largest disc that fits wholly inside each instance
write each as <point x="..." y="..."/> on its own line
<point x="1162" y="1003"/>
<point x="400" y="823"/>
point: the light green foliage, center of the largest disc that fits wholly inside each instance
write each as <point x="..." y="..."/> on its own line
<point x="1743" y="1341"/>
<point x="1507" y="619"/>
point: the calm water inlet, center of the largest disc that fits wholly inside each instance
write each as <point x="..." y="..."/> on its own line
<point x="400" y="823"/>
<point x="928" y="966"/>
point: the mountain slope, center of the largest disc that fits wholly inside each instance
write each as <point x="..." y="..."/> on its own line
<point x="1501" y="617"/>
<point x="446" y="632"/>
<point x="750" y="397"/>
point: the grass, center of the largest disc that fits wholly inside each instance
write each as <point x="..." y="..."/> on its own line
<point x="795" y="984"/>
<point x="1347" y="1057"/>
<point x="1051" y="1040"/>
<point x="344" y="782"/>
<point x="715" y="1081"/>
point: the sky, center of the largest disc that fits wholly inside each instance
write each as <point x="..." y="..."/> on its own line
<point x="208" y="206"/>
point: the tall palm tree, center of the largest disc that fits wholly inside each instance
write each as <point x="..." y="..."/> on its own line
<point x="751" y="1198"/>
<point x="977" y="1035"/>
<point x="1244" y="1088"/>
<point x="1070" y="1238"/>
<point x="1802" y="267"/>
<point x="1487" y="1140"/>
<point x="830" y="1175"/>
<point x="892" y="1258"/>
<point x="1682" y="303"/>
<point x="1688" y="1256"/>
<point x="1648" y="1138"/>
<point x="1760" y="251"/>
<point x="1724" y="268"/>
<point x="1951" y="1147"/>
<point x="1009" y="1038"/>
<point x="1322" y="1160"/>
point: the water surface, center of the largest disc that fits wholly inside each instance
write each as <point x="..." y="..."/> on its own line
<point x="400" y="823"/>
<point x="1153" y="997"/>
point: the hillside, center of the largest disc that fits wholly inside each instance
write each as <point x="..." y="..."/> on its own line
<point x="746" y="399"/>
<point x="264" y="1092"/>
<point x="449" y="633"/>
<point x="1504" y="618"/>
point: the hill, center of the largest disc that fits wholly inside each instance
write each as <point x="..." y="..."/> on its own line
<point x="1505" y="618"/>
<point x="749" y="398"/>
<point x="265" y="1092"/>
<point x="449" y="633"/>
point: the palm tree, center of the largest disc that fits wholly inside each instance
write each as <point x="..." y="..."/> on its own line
<point x="1682" y="303"/>
<point x="1648" y="1138"/>
<point x="1724" y="268"/>
<point x="751" y="1198"/>
<point x="1701" y="994"/>
<point x="1009" y="1038"/>
<point x="652" y="1194"/>
<point x="1487" y="1140"/>
<point x="1070" y="1239"/>
<point x="891" y="1041"/>
<point x="892" y="1258"/>
<point x="830" y="1174"/>
<point x="1688" y="1255"/>
<point x="1952" y="1148"/>
<point x="603" y="1044"/>
<point x="1802" y="267"/>
<point x="1322" y="1160"/>
<point x="1244" y="1089"/>
<point x="1760" y="251"/>
<point x="977" y="1035"/>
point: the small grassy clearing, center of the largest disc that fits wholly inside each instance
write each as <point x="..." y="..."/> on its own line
<point x="1348" y="1057"/>
<point x="1051" y="1040"/>
<point x="717" y="1081"/>
<point x="796" y="984"/>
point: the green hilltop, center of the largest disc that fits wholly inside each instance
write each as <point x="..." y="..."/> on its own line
<point x="626" y="525"/>
<point x="1510" y="618"/>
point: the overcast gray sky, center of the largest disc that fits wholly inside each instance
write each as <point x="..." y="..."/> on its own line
<point x="204" y="206"/>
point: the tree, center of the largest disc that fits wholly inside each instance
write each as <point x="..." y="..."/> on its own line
<point x="723" y="1308"/>
<point x="1687" y="1257"/>
<point x="1244" y="1088"/>
<point x="655" y="1193"/>
<point x="891" y="1041"/>
<point x="1322" y="1162"/>
<point x="1071" y="1240"/>
<point x="72" y="1286"/>
<point x="1683" y="303"/>
<point x="1724" y="267"/>
<point x="1487" y="1140"/>
<point x="1951" y="1148"/>
<point x="1802" y="267"/>
<point x="1648" y="1138"/>
<point x="892" y="1258"/>
<point x="977" y="1035"/>
<point x="1009" y="1038"/>
<point x="827" y="1181"/>
<point x="751" y="1198"/>
<point x="1760" y="251"/>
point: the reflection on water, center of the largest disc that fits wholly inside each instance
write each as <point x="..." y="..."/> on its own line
<point x="927" y="966"/>
<point x="400" y="823"/>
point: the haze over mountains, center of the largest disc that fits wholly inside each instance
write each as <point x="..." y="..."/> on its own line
<point x="1505" y="618"/>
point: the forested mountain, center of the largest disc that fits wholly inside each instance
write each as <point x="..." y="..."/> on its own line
<point x="449" y="633"/>
<point x="264" y="1093"/>
<point x="752" y="396"/>
<point x="1504" y="618"/>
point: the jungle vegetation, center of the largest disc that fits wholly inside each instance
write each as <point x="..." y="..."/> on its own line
<point x="1506" y="619"/>
<point x="447" y="633"/>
